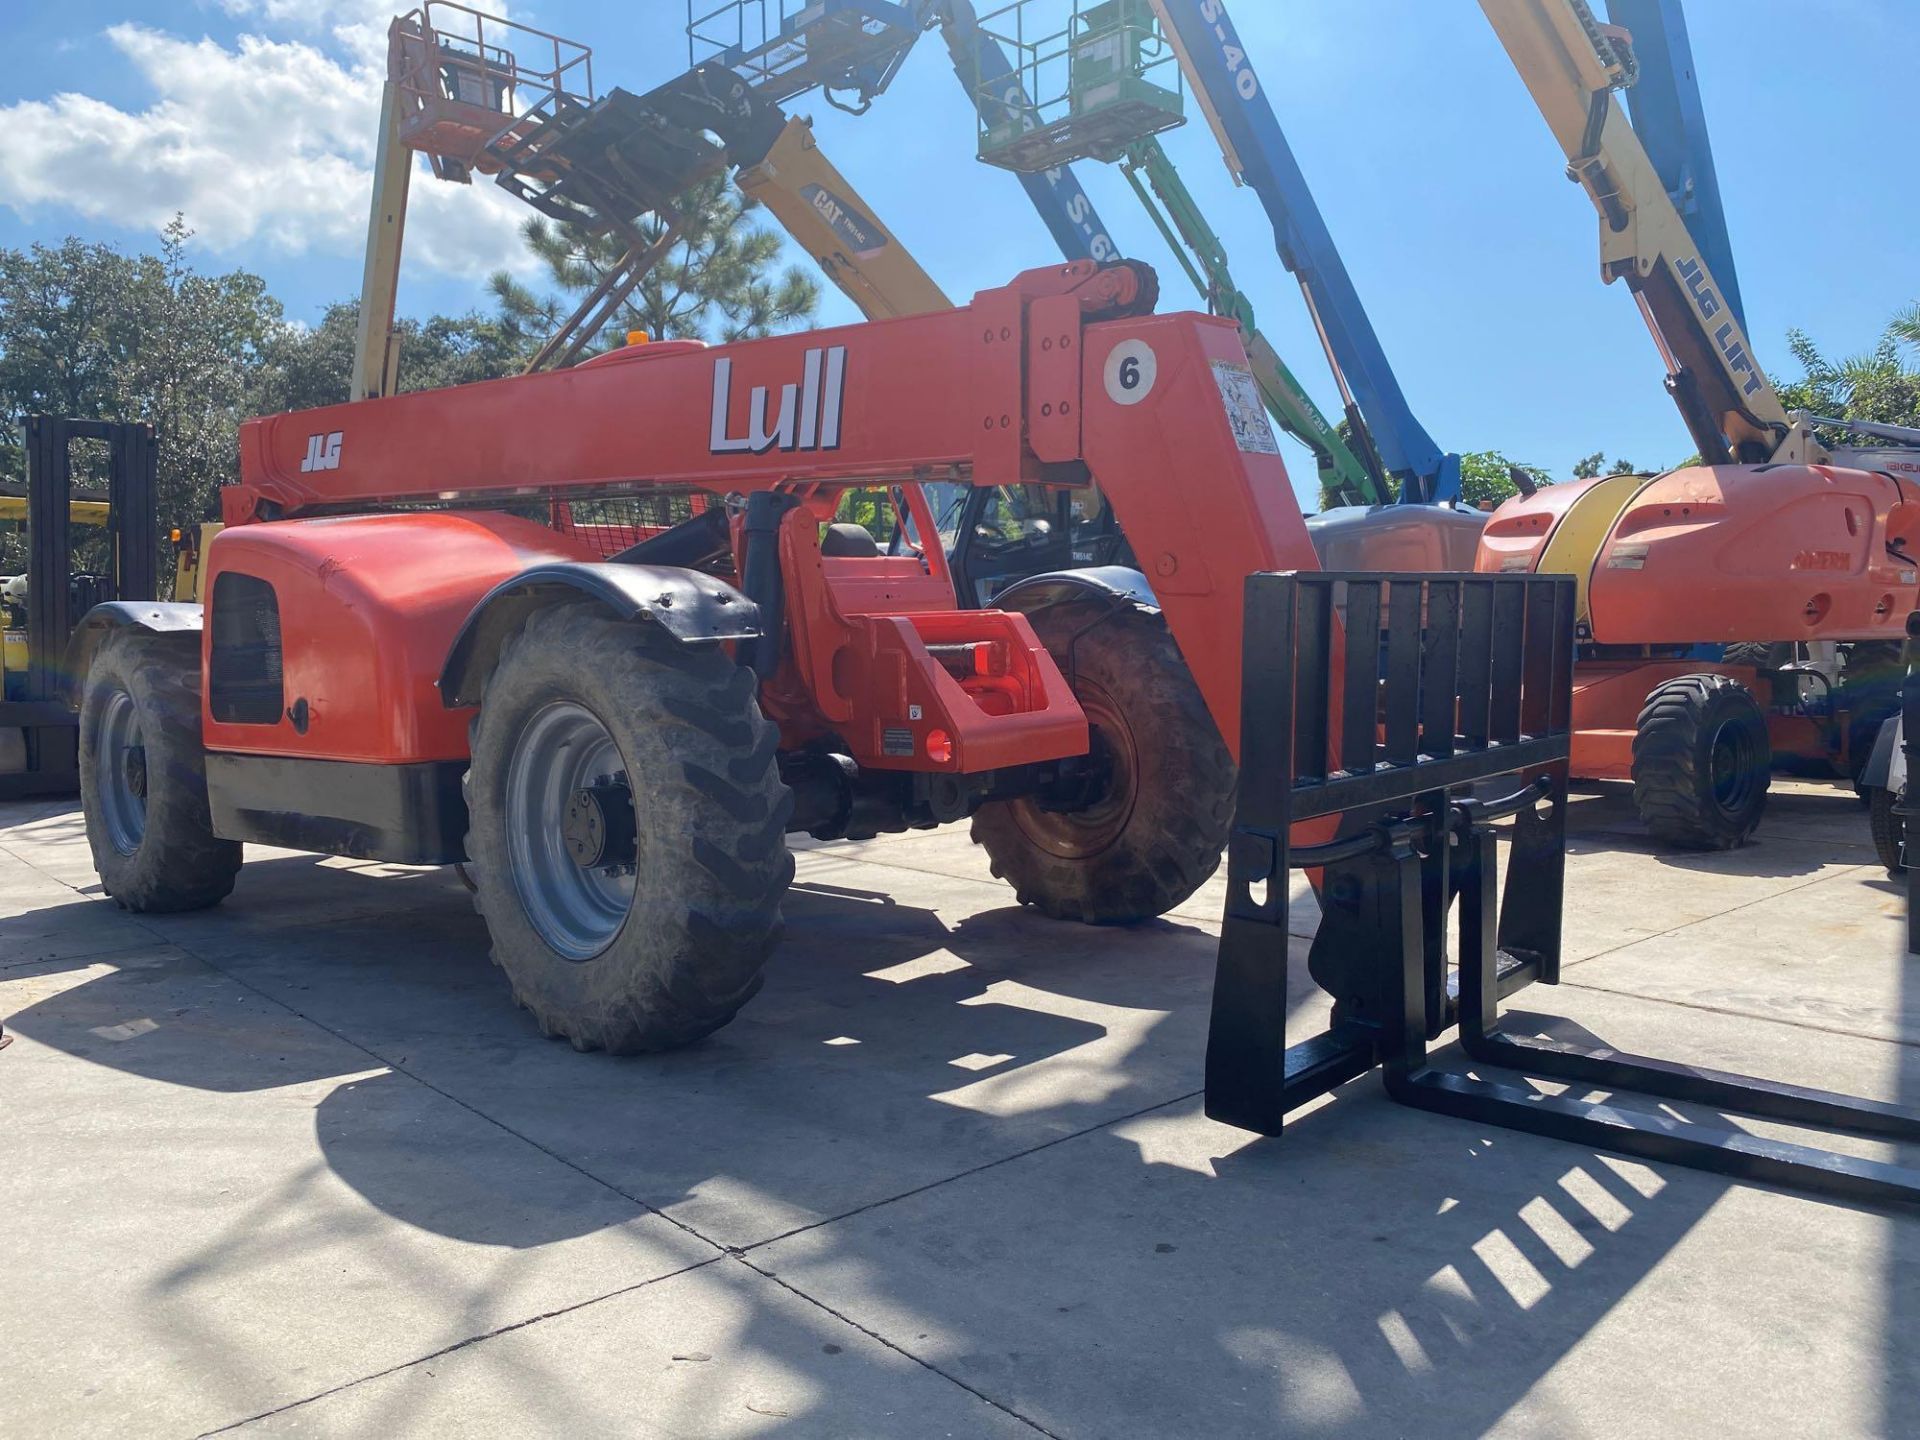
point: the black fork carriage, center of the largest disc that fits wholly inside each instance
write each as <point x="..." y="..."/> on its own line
<point x="1453" y="687"/>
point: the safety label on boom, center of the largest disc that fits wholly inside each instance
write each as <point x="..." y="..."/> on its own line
<point x="1246" y="412"/>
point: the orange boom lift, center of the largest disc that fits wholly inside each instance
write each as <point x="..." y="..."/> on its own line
<point x="1774" y="546"/>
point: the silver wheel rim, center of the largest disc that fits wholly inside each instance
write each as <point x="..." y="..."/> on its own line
<point x="122" y="773"/>
<point x="562" y="749"/>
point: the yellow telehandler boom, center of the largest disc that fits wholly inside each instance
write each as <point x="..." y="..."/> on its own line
<point x="1573" y="66"/>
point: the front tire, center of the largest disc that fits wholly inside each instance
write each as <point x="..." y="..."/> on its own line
<point x="1156" y="831"/>
<point x="628" y="831"/>
<point x="1701" y="763"/>
<point x="143" y="778"/>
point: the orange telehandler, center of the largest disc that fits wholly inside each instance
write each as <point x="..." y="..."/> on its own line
<point x="616" y="747"/>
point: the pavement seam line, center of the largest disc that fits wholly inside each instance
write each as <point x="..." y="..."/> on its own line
<point x="7" y="967"/>
<point x="445" y="1350"/>
<point x="899" y="1350"/>
<point x="984" y="1165"/>
<point x="1638" y="839"/>
<point x="1743" y="1015"/>
<point x="1717" y="915"/>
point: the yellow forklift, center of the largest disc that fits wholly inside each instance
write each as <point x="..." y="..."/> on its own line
<point x="65" y="577"/>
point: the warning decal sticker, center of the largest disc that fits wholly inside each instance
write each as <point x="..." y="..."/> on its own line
<point x="1246" y="413"/>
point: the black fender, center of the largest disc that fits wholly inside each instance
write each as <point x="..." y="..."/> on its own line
<point x="1880" y="762"/>
<point x="1120" y="584"/>
<point x="693" y="607"/>
<point x="156" y="617"/>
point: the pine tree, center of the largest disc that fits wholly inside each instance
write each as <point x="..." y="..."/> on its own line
<point x="718" y="282"/>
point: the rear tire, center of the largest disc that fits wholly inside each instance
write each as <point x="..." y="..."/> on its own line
<point x="665" y="953"/>
<point x="143" y="777"/>
<point x="1889" y="829"/>
<point x="1158" y="830"/>
<point x="1701" y="763"/>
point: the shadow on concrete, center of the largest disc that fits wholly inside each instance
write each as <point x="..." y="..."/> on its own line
<point x="1759" y="858"/>
<point x="1801" y="831"/>
<point x="1373" y="1271"/>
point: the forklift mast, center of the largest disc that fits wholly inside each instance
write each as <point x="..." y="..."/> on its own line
<point x="37" y="734"/>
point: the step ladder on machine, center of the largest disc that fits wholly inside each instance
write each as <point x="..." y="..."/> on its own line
<point x="1461" y="682"/>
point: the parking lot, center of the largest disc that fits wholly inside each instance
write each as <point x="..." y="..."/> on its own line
<point x="297" y="1165"/>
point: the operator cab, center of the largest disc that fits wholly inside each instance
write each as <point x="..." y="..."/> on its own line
<point x="1008" y="533"/>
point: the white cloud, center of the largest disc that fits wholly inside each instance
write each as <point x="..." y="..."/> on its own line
<point x="265" y="145"/>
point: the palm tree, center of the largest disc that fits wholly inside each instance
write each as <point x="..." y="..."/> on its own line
<point x="1906" y="326"/>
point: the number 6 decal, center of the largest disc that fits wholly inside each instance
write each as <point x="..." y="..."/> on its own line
<point x="1131" y="371"/>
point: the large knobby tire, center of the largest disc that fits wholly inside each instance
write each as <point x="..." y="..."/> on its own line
<point x="1760" y="654"/>
<point x="1701" y="763"/>
<point x="1156" y="830"/>
<point x="1889" y="830"/>
<point x="662" y="950"/>
<point x="143" y="777"/>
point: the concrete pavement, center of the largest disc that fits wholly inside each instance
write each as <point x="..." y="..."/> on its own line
<point x="296" y="1165"/>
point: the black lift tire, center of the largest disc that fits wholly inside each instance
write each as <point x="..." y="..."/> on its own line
<point x="1761" y="654"/>
<point x="1889" y="829"/>
<point x="668" y="950"/>
<point x="1701" y="762"/>
<point x="1870" y="684"/>
<point x="1156" y="832"/>
<point x="143" y="777"/>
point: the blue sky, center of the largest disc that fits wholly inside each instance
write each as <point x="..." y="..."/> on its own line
<point x="1474" y="255"/>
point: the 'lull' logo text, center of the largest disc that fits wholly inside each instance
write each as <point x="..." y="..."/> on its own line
<point x="809" y="415"/>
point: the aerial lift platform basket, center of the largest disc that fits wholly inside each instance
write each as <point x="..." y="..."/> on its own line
<point x="1470" y="687"/>
<point x="464" y="78"/>
<point x="783" y="48"/>
<point x="1095" y="87"/>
